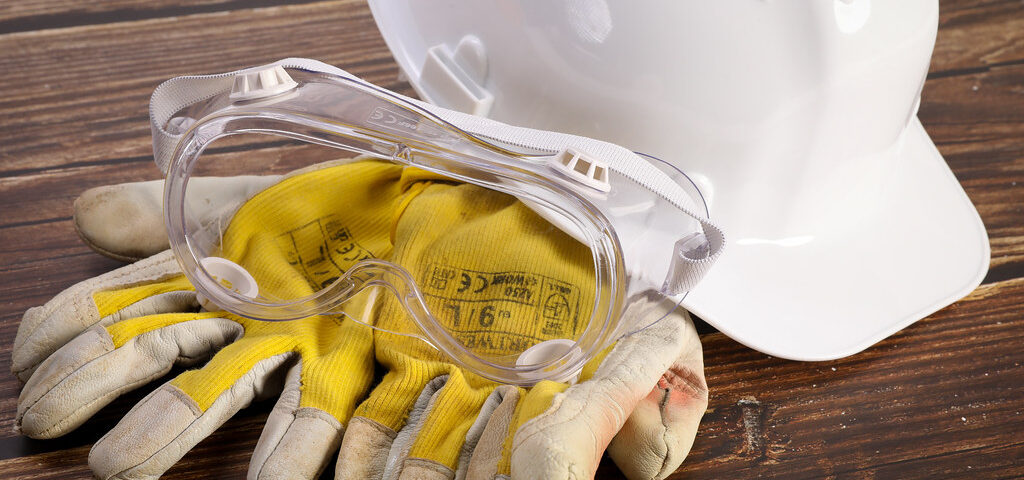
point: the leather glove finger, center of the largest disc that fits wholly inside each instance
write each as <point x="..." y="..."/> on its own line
<point x="141" y="320"/>
<point x="99" y="365"/>
<point x="165" y="425"/>
<point x="45" y="329"/>
<point x="297" y="441"/>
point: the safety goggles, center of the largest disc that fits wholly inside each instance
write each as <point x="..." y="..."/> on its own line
<point x="507" y="306"/>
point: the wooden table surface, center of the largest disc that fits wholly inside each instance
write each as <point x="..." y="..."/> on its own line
<point x="943" y="398"/>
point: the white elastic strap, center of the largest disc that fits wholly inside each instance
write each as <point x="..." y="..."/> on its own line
<point x="178" y="93"/>
<point x="181" y="92"/>
<point x="684" y="273"/>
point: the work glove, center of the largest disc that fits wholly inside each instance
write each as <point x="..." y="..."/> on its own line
<point x="428" y="418"/>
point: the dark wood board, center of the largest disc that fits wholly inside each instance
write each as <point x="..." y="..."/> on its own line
<point x="943" y="398"/>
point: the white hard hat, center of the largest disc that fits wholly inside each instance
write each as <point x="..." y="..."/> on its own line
<point x="796" y="119"/>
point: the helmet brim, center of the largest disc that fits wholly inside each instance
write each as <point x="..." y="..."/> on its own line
<point x="838" y="293"/>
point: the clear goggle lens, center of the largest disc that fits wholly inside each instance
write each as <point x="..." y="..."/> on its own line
<point x="404" y="223"/>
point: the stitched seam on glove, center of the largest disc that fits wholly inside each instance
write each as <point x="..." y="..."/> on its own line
<point x="316" y="413"/>
<point x="185" y="399"/>
<point x="662" y="405"/>
<point x="181" y="395"/>
<point x="144" y="271"/>
<point x="115" y="393"/>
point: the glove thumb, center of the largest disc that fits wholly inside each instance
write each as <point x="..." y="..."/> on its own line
<point x="643" y="404"/>
<point x="125" y="221"/>
<point x="659" y="433"/>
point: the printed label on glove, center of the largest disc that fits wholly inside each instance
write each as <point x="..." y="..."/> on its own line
<point x="327" y="249"/>
<point x="501" y="312"/>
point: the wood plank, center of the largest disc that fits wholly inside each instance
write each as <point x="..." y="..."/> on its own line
<point x="48" y="195"/>
<point x="933" y="399"/>
<point x="977" y="34"/>
<point x="24" y="10"/>
<point x="32" y="15"/>
<point x="81" y="110"/>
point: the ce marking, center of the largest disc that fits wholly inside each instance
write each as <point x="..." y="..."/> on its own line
<point x="467" y="283"/>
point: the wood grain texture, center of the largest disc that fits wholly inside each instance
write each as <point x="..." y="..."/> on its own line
<point x="32" y="15"/>
<point x="80" y="109"/>
<point x="939" y="398"/>
<point x="943" y="398"/>
<point x="978" y="34"/>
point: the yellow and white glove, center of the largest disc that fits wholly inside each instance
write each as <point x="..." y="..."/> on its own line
<point x="426" y="419"/>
